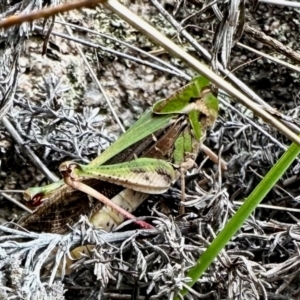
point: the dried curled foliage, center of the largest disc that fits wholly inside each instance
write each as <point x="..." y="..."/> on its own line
<point x="79" y="135"/>
<point x="126" y="261"/>
<point x="152" y="263"/>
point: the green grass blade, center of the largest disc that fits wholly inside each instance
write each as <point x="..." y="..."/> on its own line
<point x="236" y="222"/>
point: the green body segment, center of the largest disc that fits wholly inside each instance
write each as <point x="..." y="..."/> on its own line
<point x="31" y="193"/>
<point x="181" y="100"/>
<point x="148" y="175"/>
<point x="212" y="104"/>
<point x="145" y="126"/>
<point x="195" y="100"/>
<point x="183" y="146"/>
<point x="194" y="116"/>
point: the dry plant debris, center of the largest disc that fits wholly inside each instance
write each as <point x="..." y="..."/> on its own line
<point x="59" y="113"/>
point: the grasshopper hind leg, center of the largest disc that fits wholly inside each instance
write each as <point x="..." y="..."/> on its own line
<point x="108" y="219"/>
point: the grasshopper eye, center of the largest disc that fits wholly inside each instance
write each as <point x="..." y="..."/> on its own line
<point x="37" y="199"/>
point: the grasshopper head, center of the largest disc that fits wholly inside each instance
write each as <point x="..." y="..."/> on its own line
<point x="33" y="197"/>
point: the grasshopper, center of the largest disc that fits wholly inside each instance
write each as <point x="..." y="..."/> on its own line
<point x="171" y="132"/>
